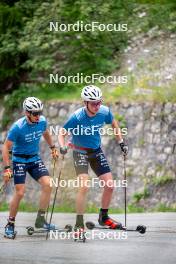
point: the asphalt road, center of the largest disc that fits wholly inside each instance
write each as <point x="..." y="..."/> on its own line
<point x="157" y="246"/>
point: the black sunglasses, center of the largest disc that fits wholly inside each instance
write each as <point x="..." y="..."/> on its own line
<point x="35" y="113"/>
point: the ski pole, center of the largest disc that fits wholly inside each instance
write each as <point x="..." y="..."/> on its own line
<point x="54" y="201"/>
<point x="125" y="190"/>
<point x="54" y="166"/>
<point x="2" y="188"/>
<point x="4" y="185"/>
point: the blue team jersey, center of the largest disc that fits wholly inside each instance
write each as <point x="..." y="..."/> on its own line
<point x="26" y="138"/>
<point x="85" y="130"/>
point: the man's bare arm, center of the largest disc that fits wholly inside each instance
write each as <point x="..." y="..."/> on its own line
<point x="48" y="138"/>
<point x="5" y="152"/>
<point x="117" y="130"/>
<point x="61" y="137"/>
<point x="118" y="135"/>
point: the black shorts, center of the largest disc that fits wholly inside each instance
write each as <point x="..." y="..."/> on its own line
<point x="97" y="161"/>
<point x="36" y="169"/>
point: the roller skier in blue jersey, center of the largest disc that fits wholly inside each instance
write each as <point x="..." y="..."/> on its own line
<point x="24" y="138"/>
<point x="87" y="151"/>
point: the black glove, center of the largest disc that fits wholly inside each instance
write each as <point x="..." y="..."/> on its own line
<point x="63" y="150"/>
<point x="124" y="148"/>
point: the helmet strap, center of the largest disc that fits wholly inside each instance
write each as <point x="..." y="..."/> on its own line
<point x="87" y="105"/>
<point x="29" y="117"/>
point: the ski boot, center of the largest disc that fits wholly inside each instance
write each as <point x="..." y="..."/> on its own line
<point x="42" y="223"/>
<point x="9" y="231"/>
<point x="109" y="222"/>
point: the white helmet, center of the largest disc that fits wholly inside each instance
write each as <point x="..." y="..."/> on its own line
<point x="91" y="93"/>
<point x="32" y="104"/>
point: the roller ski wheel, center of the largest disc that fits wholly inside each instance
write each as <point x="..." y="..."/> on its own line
<point x="30" y="230"/>
<point x="79" y="235"/>
<point x="90" y="225"/>
<point x="68" y="228"/>
<point x="141" y="229"/>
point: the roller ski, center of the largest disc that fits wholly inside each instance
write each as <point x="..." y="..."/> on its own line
<point x="31" y="230"/>
<point x="41" y="226"/>
<point x="39" y="229"/>
<point x="79" y="234"/>
<point x="10" y="231"/>
<point x="140" y="228"/>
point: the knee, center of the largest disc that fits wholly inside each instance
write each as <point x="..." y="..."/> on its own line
<point x="109" y="186"/>
<point x="46" y="184"/>
<point x="47" y="188"/>
<point x="20" y="194"/>
<point x="83" y="184"/>
<point x="84" y="189"/>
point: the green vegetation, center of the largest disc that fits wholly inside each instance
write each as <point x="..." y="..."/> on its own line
<point x="129" y="172"/>
<point x="163" y="208"/>
<point x="121" y="120"/>
<point x="66" y="208"/>
<point x="141" y="195"/>
<point x="141" y="142"/>
<point x="160" y="181"/>
<point x="29" y="52"/>
<point x="128" y="92"/>
<point x="132" y="208"/>
<point x="13" y="101"/>
<point x="24" y="207"/>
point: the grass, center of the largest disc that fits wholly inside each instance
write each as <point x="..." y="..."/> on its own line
<point x="132" y="208"/>
<point x="163" y="208"/>
<point x="127" y="92"/>
<point x="120" y="93"/>
<point x="135" y="209"/>
<point x="26" y="207"/>
<point x="70" y="93"/>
